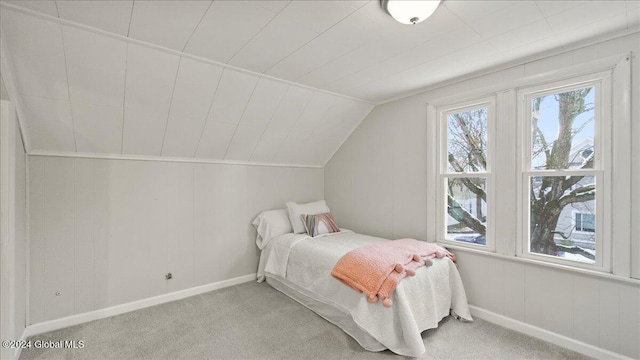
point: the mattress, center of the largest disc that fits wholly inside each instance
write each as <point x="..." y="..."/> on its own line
<point x="300" y="267"/>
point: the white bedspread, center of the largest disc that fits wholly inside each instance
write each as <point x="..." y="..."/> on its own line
<point x="419" y="302"/>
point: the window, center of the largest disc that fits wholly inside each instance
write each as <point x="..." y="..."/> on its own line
<point x="465" y="178"/>
<point x="562" y="172"/>
<point x="585" y="222"/>
<point x="540" y="170"/>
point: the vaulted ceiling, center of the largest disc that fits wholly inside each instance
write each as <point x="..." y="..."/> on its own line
<point x="256" y="81"/>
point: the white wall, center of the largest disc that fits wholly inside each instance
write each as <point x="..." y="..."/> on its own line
<point x="14" y="240"/>
<point x="105" y="232"/>
<point x="20" y="234"/>
<point x="596" y="311"/>
<point x="377" y="183"/>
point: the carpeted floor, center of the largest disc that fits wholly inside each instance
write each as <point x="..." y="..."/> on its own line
<point x="254" y="321"/>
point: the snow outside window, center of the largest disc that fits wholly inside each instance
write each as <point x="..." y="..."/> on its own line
<point x="562" y="171"/>
<point x="465" y="206"/>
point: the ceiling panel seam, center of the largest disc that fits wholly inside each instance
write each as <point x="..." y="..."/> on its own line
<point x="270" y="119"/>
<point x="545" y="18"/>
<point x="464" y="22"/>
<point x="408" y="50"/>
<point x="197" y="25"/>
<point x="357" y="124"/>
<point x="66" y="73"/>
<point x="240" y="119"/>
<point x="325" y="113"/>
<point x="628" y="11"/>
<point x="258" y="32"/>
<point x="6" y="67"/>
<point x="166" y="124"/>
<point x="124" y="99"/>
<point x="334" y="59"/>
<point x="57" y="11"/>
<point x="400" y="71"/>
<point x="133" y="3"/>
<point x="74" y="155"/>
<point x="315" y="37"/>
<point x="171" y="51"/>
<point x="515" y="63"/>
<point x="204" y="125"/>
<point x="284" y="141"/>
<point x="337" y="80"/>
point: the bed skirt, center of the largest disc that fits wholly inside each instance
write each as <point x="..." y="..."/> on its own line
<point x="336" y="316"/>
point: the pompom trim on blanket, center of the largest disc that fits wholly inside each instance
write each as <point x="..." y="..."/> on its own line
<point x="376" y="269"/>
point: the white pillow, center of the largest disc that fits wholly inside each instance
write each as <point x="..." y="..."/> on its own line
<point x="295" y="210"/>
<point x="270" y="224"/>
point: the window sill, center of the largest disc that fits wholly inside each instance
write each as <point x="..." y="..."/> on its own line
<point x="592" y="273"/>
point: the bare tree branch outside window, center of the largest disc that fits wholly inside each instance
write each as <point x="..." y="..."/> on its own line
<point x="562" y="127"/>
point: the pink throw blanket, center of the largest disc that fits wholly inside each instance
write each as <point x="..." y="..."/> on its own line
<point x="377" y="269"/>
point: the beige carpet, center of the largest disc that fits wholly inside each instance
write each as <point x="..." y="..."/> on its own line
<point x="254" y="321"/>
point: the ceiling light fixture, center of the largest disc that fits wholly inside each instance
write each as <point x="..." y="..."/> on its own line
<point x="410" y="11"/>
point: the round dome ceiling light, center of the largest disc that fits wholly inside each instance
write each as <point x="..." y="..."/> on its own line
<point x="410" y="12"/>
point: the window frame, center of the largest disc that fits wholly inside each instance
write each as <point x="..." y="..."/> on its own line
<point x="601" y="171"/>
<point x="620" y="251"/>
<point x="443" y="173"/>
<point x="575" y="222"/>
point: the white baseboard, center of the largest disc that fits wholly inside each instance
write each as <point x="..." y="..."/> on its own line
<point x="64" y="322"/>
<point x="546" y="335"/>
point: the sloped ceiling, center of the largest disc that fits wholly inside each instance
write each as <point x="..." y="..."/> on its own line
<point x="257" y="81"/>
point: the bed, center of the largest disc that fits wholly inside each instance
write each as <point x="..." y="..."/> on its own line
<point x="300" y="266"/>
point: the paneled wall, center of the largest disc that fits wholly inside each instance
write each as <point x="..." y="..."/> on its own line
<point x="598" y="312"/>
<point x="105" y="232"/>
<point x="20" y="234"/>
<point x="13" y="239"/>
<point x="380" y="182"/>
<point x="375" y="183"/>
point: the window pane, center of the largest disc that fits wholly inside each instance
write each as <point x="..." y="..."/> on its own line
<point x="467" y="210"/>
<point x="562" y="216"/>
<point x="585" y="222"/>
<point x="467" y="141"/>
<point x="562" y="130"/>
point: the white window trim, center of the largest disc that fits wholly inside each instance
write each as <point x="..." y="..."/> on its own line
<point x="443" y="174"/>
<point x="507" y="233"/>
<point x="601" y="170"/>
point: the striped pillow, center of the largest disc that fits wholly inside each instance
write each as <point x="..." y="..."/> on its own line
<point x="319" y="224"/>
